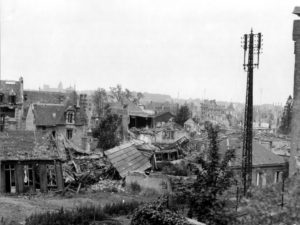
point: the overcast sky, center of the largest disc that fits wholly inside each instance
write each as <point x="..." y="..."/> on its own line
<point x="185" y="48"/>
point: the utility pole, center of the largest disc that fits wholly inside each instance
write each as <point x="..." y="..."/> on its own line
<point x="0" y="37"/>
<point x="252" y="46"/>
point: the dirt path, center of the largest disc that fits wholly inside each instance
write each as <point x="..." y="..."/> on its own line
<point x="17" y="208"/>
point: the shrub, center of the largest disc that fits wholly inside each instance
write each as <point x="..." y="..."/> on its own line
<point x="157" y="213"/>
<point x="135" y="187"/>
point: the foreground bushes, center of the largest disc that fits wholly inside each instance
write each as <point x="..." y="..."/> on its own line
<point x="80" y="216"/>
<point x="118" y="209"/>
<point x="83" y="215"/>
<point x="157" y="213"/>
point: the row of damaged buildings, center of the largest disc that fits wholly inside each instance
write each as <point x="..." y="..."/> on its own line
<point x="46" y="142"/>
<point x="33" y="127"/>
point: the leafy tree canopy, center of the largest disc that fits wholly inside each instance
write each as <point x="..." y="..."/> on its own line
<point x="286" y="119"/>
<point x="120" y="95"/>
<point x="183" y="115"/>
<point x="108" y="132"/>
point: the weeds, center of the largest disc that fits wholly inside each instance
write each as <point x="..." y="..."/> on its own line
<point x="121" y="208"/>
<point x="84" y="215"/>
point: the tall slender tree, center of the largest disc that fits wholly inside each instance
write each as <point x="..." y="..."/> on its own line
<point x="285" y="123"/>
<point x="183" y="115"/>
<point x="214" y="177"/>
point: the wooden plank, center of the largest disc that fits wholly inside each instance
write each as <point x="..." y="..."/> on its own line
<point x="59" y="176"/>
<point x="19" y="173"/>
<point x="118" y="148"/>
<point x="125" y="157"/>
<point x="43" y="178"/>
<point x="125" y="164"/>
<point x="121" y="152"/>
<point x="143" y="163"/>
<point x="2" y="178"/>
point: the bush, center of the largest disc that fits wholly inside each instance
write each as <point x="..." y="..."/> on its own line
<point x="157" y="213"/>
<point x="135" y="187"/>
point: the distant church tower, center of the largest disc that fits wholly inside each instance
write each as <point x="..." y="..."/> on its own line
<point x="294" y="164"/>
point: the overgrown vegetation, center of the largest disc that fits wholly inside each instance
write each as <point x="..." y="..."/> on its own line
<point x="157" y="213"/>
<point x="84" y="215"/>
<point x="286" y="119"/>
<point x="80" y="216"/>
<point x="175" y="170"/>
<point x="135" y="187"/>
<point x="108" y="132"/>
<point x="204" y="196"/>
<point x="121" y="208"/>
<point x="265" y="205"/>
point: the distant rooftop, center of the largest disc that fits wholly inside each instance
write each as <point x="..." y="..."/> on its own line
<point x="297" y="10"/>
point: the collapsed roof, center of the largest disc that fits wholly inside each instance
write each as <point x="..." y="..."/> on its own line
<point x="126" y="158"/>
<point x="27" y="145"/>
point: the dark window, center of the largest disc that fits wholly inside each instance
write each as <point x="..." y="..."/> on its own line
<point x="10" y="183"/>
<point x="158" y="157"/>
<point x="12" y="99"/>
<point x="69" y="133"/>
<point x="1" y="97"/>
<point x="70" y="117"/>
<point x="168" y="134"/>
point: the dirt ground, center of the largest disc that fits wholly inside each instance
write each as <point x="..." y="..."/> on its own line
<point x="17" y="208"/>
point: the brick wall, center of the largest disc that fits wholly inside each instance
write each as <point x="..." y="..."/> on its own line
<point x="295" y="143"/>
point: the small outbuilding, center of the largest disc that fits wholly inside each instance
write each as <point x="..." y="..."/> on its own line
<point x="29" y="162"/>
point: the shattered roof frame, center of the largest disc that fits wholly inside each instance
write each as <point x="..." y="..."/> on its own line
<point x="126" y="158"/>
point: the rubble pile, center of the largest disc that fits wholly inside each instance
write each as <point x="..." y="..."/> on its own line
<point x="109" y="186"/>
<point x="85" y="172"/>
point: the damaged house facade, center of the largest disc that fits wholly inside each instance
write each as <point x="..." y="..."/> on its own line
<point x="57" y="119"/>
<point x="28" y="162"/>
<point x="267" y="167"/>
<point x="135" y="116"/>
<point x="11" y="104"/>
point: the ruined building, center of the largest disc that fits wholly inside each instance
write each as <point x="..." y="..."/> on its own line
<point x="11" y="104"/>
<point x="28" y="162"/>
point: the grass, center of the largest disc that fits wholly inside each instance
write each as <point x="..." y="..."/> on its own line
<point x="84" y="215"/>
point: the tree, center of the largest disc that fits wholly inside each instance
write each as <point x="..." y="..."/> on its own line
<point x="157" y="212"/>
<point x="122" y="96"/>
<point x="108" y="132"/>
<point x="182" y="115"/>
<point x="285" y="123"/>
<point x="214" y="177"/>
<point x="100" y="100"/>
